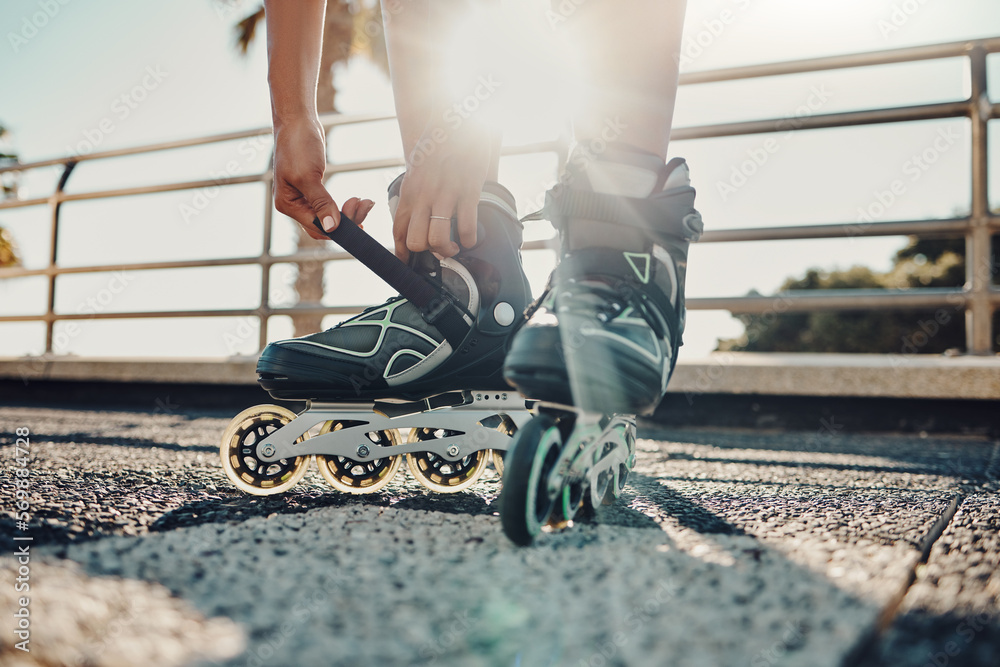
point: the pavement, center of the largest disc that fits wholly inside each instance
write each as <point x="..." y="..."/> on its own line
<point x="729" y="547"/>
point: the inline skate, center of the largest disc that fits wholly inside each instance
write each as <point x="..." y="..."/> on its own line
<point x="599" y="346"/>
<point x="419" y="376"/>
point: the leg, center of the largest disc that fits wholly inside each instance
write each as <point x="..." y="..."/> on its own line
<point x="445" y="179"/>
<point x="615" y="306"/>
<point x="632" y="52"/>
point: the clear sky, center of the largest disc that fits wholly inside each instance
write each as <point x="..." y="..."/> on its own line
<point x="119" y="73"/>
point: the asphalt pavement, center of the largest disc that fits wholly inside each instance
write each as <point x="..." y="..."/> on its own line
<point x="729" y="547"/>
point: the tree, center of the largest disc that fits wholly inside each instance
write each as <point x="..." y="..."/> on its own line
<point x="8" y="248"/>
<point x="351" y="27"/>
<point x="921" y="263"/>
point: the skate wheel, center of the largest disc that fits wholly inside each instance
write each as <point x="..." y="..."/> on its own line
<point x="350" y="476"/>
<point x="239" y="452"/>
<point x="498" y="462"/>
<point x="604" y="491"/>
<point x="507" y="427"/>
<point x="616" y="488"/>
<point x="526" y="501"/>
<point x="438" y="473"/>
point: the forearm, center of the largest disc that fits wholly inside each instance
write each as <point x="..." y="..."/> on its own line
<point x="294" y="43"/>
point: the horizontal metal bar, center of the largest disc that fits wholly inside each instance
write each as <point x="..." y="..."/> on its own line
<point x="161" y="314"/>
<point x="910" y="54"/>
<point x="922" y="228"/>
<point x="146" y="189"/>
<point x="21" y="203"/>
<point x="847" y="61"/>
<point x="791" y="301"/>
<point x="852" y="299"/>
<point x="825" y="121"/>
<point x="331" y="168"/>
<point x="328" y="121"/>
<point x="267" y="260"/>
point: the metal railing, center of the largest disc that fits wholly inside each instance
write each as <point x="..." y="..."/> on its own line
<point x="978" y="298"/>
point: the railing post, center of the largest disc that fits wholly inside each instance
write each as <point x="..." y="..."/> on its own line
<point x="265" y="282"/>
<point x="55" y="203"/>
<point x="978" y="264"/>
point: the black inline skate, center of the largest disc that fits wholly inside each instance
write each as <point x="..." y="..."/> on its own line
<point x="600" y="344"/>
<point x="427" y="362"/>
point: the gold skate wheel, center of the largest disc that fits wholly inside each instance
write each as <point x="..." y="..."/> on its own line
<point x="507" y="427"/>
<point x="350" y="476"/>
<point x="238" y="452"/>
<point x="439" y="474"/>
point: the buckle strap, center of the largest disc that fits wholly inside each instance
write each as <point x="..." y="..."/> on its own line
<point x="668" y="213"/>
<point x="436" y="305"/>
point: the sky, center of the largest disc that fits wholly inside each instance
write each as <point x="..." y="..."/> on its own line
<point x="117" y="73"/>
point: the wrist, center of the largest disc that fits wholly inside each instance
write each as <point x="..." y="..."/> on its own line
<point x="291" y="116"/>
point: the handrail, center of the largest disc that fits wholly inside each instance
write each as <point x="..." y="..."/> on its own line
<point x="978" y="297"/>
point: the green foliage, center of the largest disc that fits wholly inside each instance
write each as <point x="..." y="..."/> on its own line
<point x="8" y="250"/>
<point x="921" y="263"/>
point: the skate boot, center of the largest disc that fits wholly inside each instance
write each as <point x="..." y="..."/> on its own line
<point x="600" y="344"/>
<point x="419" y="375"/>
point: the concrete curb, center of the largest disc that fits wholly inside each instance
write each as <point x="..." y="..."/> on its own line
<point x="856" y="375"/>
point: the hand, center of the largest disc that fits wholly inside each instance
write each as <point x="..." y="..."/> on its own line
<point x="444" y="177"/>
<point x="299" y="165"/>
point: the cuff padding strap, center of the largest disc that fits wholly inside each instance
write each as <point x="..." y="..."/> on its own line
<point x="669" y="213"/>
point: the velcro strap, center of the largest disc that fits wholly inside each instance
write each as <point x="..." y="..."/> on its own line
<point x="669" y="213"/>
<point x="437" y="307"/>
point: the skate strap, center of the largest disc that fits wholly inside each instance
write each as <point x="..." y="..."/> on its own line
<point x="436" y="305"/>
<point x="669" y="213"/>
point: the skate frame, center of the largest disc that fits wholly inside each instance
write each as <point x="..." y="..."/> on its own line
<point x="465" y="418"/>
<point x="576" y="462"/>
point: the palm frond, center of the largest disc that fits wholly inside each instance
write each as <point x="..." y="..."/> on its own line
<point x="246" y="29"/>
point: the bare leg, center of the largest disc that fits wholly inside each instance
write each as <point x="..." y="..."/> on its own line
<point x="415" y="61"/>
<point x="632" y="55"/>
<point x="446" y="165"/>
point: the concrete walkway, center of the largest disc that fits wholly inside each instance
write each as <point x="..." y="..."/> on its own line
<point x="730" y="548"/>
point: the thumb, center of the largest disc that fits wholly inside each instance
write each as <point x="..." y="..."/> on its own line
<point x="322" y="205"/>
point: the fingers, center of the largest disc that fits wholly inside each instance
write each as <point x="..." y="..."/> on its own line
<point x="357" y="209"/>
<point x="400" y="229"/>
<point x="439" y="236"/>
<point x="417" y="230"/>
<point x="467" y="212"/>
<point x="322" y="204"/>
